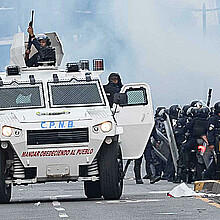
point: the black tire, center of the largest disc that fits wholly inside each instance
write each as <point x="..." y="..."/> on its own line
<point x="111" y="171"/>
<point x="5" y="190"/>
<point x="92" y="189"/>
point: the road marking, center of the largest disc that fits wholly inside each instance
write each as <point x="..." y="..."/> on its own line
<point x="63" y="215"/>
<point x="51" y="197"/>
<point x="56" y="203"/>
<point x="58" y="197"/>
<point x="166" y="213"/>
<point x="60" y="209"/>
<point x="210" y="202"/>
<point x="158" y="192"/>
<point x="215" y="204"/>
<point x="127" y="201"/>
<point x="63" y="196"/>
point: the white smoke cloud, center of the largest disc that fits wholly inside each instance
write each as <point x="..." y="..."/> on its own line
<point x="153" y="41"/>
<point x="170" y="52"/>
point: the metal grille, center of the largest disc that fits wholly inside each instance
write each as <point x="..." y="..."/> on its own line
<point x="18" y="168"/>
<point x="21" y="96"/>
<point x="136" y="97"/>
<point x="57" y="136"/>
<point x="93" y="169"/>
<point x="71" y="94"/>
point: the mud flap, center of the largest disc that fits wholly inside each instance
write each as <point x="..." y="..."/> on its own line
<point x="136" y="118"/>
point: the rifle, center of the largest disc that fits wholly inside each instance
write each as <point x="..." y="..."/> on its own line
<point x="29" y="39"/>
<point x="209" y="97"/>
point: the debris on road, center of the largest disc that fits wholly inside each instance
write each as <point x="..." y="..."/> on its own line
<point x="37" y="203"/>
<point x="182" y="190"/>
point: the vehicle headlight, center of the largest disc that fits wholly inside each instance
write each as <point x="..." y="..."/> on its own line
<point x="106" y="126"/>
<point x="7" y="131"/>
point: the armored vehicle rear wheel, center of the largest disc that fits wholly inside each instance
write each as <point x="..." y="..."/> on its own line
<point x="92" y="189"/>
<point x="111" y="171"/>
<point x="5" y="190"/>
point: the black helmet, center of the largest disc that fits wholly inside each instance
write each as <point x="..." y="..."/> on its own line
<point x="204" y="112"/>
<point x="217" y="107"/>
<point x="185" y="109"/>
<point x="192" y="111"/>
<point x="174" y="111"/>
<point x="159" y="108"/>
<point x="196" y="103"/>
<point x="114" y="74"/>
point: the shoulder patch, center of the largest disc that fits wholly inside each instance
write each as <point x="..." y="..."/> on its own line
<point x="211" y="126"/>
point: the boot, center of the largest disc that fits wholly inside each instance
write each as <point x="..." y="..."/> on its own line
<point x="154" y="179"/>
<point x="177" y="178"/>
<point x="147" y="176"/>
<point x="148" y="171"/>
<point x="137" y="172"/>
<point x="139" y="181"/>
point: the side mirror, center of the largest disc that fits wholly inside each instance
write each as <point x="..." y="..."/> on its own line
<point x="120" y="99"/>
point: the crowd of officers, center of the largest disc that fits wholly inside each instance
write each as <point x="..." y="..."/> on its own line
<point x="196" y="129"/>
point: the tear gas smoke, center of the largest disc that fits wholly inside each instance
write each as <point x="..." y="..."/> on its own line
<point x="158" y="42"/>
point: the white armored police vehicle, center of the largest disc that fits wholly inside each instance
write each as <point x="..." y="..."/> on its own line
<point x="56" y="125"/>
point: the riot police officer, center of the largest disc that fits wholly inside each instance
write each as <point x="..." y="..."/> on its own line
<point x="114" y="86"/>
<point x="196" y="129"/>
<point x="150" y="166"/>
<point x="42" y="44"/>
<point x="180" y="138"/>
<point x="212" y="135"/>
<point x="169" y="172"/>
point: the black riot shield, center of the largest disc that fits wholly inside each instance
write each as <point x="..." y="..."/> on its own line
<point x="163" y="150"/>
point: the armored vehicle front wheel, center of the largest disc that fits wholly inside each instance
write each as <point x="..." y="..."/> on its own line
<point x="111" y="171"/>
<point x="92" y="189"/>
<point x="5" y="190"/>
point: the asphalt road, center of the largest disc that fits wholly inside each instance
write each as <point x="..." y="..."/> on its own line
<point x="67" y="201"/>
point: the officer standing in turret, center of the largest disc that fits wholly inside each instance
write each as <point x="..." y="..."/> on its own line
<point x="42" y="44"/>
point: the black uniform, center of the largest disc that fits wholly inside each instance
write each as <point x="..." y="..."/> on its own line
<point x="179" y="132"/>
<point x="43" y="54"/>
<point x="213" y="129"/>
<point x="213" y="132"/>
<point x="197" y="127"/>
<point x="111" y="88"/>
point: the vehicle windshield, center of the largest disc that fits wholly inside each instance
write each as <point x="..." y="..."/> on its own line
<point x="75" y="93"/>
<point x="21" y="95"/>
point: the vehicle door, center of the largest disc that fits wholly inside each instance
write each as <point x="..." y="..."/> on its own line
<point x="136" y="118"/>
